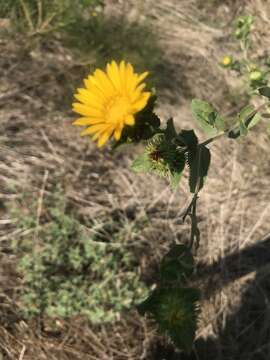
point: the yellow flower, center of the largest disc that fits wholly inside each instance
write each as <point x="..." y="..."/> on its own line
<point x="110" y="101"/>
<point x="227" y="60"/>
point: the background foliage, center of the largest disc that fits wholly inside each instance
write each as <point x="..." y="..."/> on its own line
<point x="67" y="272"/>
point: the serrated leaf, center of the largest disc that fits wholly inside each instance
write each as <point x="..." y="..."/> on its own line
<point x="177" y="265"/>
<point x="175" y="310"/>
<point x="201" y="111"/>
<point x="199" y="162"/>
<point x="265" y="91"/>
<point x="142" y="163"/>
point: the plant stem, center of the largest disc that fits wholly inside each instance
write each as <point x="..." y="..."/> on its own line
<point x="224" y="133"/>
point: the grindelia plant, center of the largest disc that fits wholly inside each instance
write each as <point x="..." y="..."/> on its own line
<point x="115" y="107"/>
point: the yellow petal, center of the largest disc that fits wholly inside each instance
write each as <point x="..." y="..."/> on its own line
<point x="118" y="132"/>
<point x="142" y="76"/>
<point x="94" y="89"/>
<point x="97" y="135"/>
<point x="141" y="103"/>
<point x="122" y="72"/>
<point x="87" y="121"/>
<point x="105" y="82"/>
<point x="86" y="110"/>
<point x="104" y="137"/>
<point x="137" y="93"/>
<point x="130" y="120"/>
<point x="88" y="97"/>
<point x="93" y="129"/>
<point x="84" y="99"/>
<point x="113" y="74"/>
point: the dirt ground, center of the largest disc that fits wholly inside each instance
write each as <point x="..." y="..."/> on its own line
<point x="39" y="148"/>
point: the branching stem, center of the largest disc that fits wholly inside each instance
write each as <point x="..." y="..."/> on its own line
<point x="191" y="208"/>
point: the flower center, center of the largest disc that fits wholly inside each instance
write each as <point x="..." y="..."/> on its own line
<point x="117" y="108"/>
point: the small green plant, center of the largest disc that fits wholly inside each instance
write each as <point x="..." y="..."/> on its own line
<point x="253" y="69"/>
<point x="38" y="17"/>
<point x="114" y="105"/>
<point x="67" y="272"/>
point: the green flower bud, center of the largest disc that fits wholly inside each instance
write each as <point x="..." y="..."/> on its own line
<point x="256" y="75"/>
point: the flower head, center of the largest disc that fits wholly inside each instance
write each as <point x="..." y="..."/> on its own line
<point x="110" y="101"/>
<point x="227" y="60"/>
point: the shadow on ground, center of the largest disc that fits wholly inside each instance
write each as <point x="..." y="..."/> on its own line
<point x="247" y="331"/>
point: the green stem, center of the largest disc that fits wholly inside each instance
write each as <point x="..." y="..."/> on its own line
<point x="191" y="208"/>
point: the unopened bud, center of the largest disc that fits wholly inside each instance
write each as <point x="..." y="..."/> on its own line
<point x="256" y="75"/>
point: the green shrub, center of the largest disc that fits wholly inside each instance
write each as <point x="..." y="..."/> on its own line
<point x="42" y="16"/>
<point x="66" y="272"/>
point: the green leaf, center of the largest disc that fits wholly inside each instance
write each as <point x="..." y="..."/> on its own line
<point x="216" y="120"/>
<point x="187" y="138"/>
<point x="170" y="132"/>
<point x="254" y="121"/>
<point x="243" y="129"/>
<point x="265" y="91"/>
<point x="176" y="166"/>
<point x="142" y="163"/>
<point x="175" y="310"/>
<point x="247" y="118"/>
<point x="177" y="265"/>
<point x="207" y="117"/>
<point x="245" y="112"/>
<point x="199" y="162"/>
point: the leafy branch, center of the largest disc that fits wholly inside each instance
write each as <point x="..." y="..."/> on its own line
<point x="173" y="305"/>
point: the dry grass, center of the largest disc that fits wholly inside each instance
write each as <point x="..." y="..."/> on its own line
<point x="36" y="139"/>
